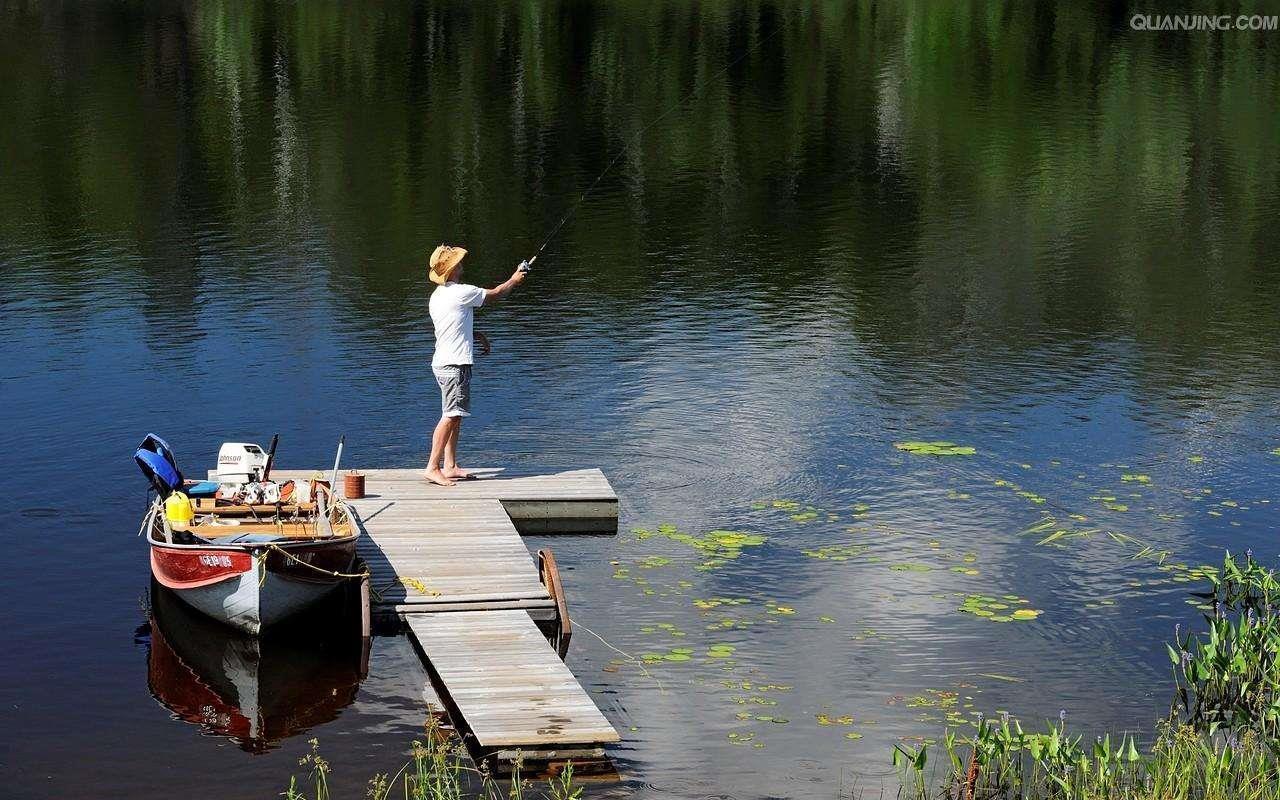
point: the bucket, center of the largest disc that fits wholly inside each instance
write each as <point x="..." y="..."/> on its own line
<point x="178" y="510"/>
<point x="353" y="485"/>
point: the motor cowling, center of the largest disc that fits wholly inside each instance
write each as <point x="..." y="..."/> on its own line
<point x="240" y="462"/>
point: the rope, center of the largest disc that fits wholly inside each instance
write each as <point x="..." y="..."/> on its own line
<point x="635" y="137"/>
<point x="267" y="546"/>
<point x="622" y="653"/>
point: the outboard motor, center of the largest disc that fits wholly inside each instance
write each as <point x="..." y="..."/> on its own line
<point x="156" y="461"/>
<point x="241" y="462"/>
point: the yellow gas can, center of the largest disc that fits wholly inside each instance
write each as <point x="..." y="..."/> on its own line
<point x="178" y="509"/>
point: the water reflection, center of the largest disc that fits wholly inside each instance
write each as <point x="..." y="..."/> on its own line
<point x="1022" y="227"/>
<point x="256" y="691"/>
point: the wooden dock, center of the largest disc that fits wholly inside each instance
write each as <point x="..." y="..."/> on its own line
<point x="481" y="609"/>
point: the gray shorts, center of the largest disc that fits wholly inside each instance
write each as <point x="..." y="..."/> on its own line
<point x="455" y="389"/>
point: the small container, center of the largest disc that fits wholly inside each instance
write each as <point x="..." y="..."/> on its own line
<point x="178" y="510"/>
<point x="353" y="485"/>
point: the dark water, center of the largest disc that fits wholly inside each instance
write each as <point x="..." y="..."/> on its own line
<point x="1023" y="228"/>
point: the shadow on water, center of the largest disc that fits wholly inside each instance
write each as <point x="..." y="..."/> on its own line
<point x="256" y="691"/>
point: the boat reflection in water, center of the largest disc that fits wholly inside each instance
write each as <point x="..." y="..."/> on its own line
<point x="256" y="691"/>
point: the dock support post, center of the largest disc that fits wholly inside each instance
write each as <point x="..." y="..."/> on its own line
<point x="366" y="622"/>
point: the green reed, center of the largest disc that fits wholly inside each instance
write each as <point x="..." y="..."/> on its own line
<point x="1219" y="742"/>
<point x="438" y="769"/>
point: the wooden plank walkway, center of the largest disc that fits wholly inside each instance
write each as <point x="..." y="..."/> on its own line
<point x="432" y="552"/>
<point x="451" y="563"/>
<point x="507" y="682"/>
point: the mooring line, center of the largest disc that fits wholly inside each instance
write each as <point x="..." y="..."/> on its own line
<point x="622" y="653"/>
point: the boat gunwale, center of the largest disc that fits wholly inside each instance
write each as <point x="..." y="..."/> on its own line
<point x="157" y="526"/>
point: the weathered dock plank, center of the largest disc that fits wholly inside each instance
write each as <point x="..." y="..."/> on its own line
<point x="451" y="552"/>
<point x="507" y="682"/>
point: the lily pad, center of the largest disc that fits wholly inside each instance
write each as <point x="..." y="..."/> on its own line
<point x="718" y="545"/>
<point x="938" y="448"/>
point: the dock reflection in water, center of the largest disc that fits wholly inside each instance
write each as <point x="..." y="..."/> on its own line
<point x="256" y="691"/>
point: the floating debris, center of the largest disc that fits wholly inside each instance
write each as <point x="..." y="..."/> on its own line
<point x="1008" y="678"/>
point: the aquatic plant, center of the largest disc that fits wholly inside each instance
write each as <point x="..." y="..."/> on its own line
<point x="718" y="546"/>
<point x="438" y="769"/>
<point x="1002" y="761"/>
<point x="1229" y="677"/>
<point x="998" y="609"/>
<point x="935" y="448"/>
<point x="1219" y="743"/>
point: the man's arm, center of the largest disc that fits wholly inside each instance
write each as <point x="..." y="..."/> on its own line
<point x="503" y="289"/>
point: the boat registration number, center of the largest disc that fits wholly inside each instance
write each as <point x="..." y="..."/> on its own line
<point x="215" y="561"/>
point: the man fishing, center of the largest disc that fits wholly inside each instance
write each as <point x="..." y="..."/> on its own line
<point x="453" y="306"/>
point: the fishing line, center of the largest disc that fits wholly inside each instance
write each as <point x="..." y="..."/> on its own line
<point x="635" y="137"/>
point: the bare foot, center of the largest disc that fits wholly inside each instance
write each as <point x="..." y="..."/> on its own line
<point x="437" y="477"/>
<point x="457" y="472"/>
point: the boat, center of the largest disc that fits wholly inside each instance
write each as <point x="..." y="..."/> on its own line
<point x="248" y="565"/>
<point x="255" y="690"/>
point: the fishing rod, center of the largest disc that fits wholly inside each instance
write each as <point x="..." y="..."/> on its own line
<point x="635" y="138"/>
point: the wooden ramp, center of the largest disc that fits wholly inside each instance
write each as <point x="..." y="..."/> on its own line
<point x="507" y="683"/>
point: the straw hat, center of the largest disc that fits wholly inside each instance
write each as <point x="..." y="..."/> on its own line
<point x="444" y="260"/>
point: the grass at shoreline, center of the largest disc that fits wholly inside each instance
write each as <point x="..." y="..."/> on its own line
<point x="437" y="769"/>
<point x="1220" y="742"/>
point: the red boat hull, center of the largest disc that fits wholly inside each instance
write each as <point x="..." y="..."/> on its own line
<point x="191" y="566"/>
<point x="251" y="586"/>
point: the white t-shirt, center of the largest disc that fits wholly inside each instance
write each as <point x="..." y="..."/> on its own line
<point x="452" y="311"/>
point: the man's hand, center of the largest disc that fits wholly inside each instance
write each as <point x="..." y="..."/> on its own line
<point x="483" y="341"/>
<point x="503" y="289"/>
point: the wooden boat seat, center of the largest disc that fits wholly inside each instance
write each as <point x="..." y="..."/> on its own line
<point x="207" y="505"/>
<point x="223" y="533"/>
<point x="247" y="538"/>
